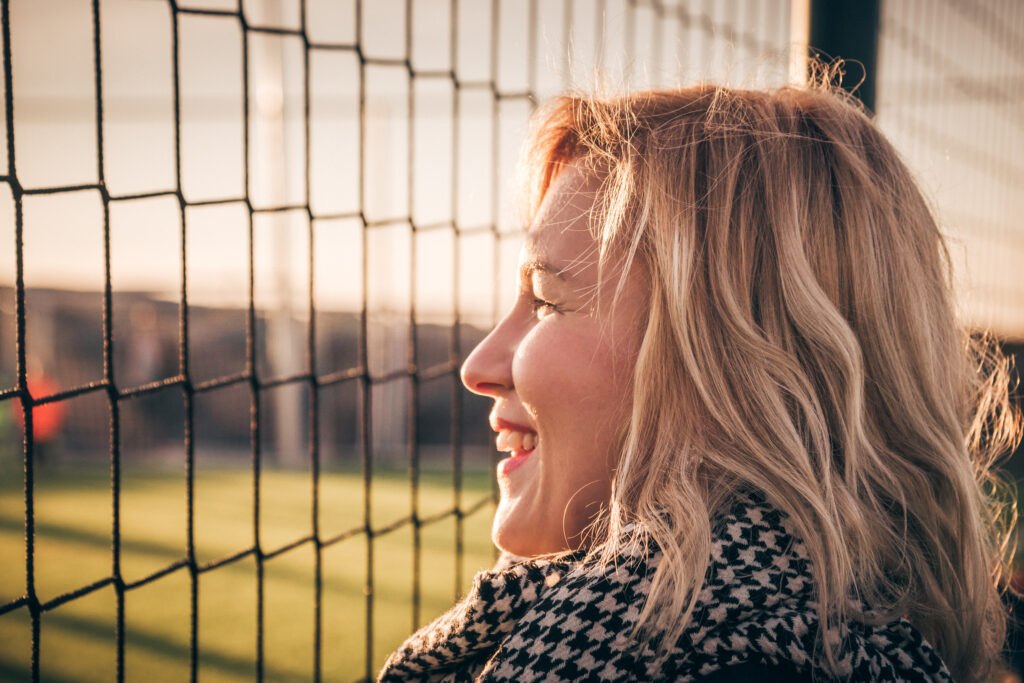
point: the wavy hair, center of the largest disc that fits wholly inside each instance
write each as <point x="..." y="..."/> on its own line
<point x="801" y="343"/>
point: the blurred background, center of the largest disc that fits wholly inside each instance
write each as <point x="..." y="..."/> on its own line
<point x="246" y="245"/>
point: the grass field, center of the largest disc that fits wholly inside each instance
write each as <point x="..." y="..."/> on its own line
<point x="73" y="548"/>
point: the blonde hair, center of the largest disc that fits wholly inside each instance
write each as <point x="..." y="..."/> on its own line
<point x="801" y="344"/>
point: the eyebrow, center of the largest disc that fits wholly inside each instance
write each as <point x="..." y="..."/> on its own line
<point x="527" y="269"/>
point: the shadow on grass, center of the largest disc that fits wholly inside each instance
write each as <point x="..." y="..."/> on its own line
<point x="100" y="631"/>
<point x="95" y="539"/>
<point x="13" y="672"/>
<point x="332" y="582"/>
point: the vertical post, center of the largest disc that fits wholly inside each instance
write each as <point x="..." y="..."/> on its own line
<point x="272" y="178"/>
<point x="799" y="36"/>
<point x="848" y="29"/>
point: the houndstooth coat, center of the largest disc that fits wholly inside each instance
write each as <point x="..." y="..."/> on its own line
<point x="564" y="621"/>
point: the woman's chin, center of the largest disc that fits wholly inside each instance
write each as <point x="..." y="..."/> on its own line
<point x="518" y="521"/>
<point x="509" y="533"/>
<point x="521" y="533"/>
<point x="517" y="529"/>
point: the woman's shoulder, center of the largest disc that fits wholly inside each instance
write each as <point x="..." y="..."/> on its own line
<point x="756" y="616"/>
<point x="755" y="619"/>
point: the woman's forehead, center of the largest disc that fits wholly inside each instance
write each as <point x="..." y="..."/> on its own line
<point x="571" y="194"/>
<point x="561" y="233"/>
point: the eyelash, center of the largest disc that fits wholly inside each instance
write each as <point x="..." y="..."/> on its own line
<point x="538" y="304"/>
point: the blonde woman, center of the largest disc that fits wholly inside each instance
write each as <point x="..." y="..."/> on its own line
<point x="746" y="437"/>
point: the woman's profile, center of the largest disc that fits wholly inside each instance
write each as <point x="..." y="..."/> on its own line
<point x="747" y="438"/>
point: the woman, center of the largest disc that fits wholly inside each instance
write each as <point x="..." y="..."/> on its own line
<point x="746" y="435"/>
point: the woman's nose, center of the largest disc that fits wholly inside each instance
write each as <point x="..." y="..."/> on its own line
<point x="488" y="369"/>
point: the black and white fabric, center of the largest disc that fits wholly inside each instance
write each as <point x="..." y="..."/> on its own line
<point x="567" y="621"/>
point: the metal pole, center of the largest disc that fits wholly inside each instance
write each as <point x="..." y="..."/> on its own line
<point x="272" y="181"/>
<point x="848" y="29"/>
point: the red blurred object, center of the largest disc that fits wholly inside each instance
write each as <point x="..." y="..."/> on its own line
<point x="47" y="418"/>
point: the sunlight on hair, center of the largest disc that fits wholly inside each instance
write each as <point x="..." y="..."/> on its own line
<point x="785" y="356"/>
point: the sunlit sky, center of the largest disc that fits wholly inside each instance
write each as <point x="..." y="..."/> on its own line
<point x="55" y="137"/>
<point x="55" y="141"/>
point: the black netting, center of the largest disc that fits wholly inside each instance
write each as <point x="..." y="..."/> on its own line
<point x="353" y="265"/>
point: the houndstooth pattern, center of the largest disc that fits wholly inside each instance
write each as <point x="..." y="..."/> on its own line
<point x="567" y="621"/>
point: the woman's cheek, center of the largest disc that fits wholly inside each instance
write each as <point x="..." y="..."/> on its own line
<point x="552" y="362"/>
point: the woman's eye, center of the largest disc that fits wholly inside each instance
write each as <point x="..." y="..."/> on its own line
<point x="543" y="307"/>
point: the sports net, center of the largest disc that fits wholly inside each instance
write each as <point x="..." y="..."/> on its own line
<point x="252" y="243"/>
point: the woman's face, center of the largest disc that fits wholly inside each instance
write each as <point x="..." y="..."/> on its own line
<point x="559" y="368"/>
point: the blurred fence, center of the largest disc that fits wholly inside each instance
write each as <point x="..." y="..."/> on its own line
<point x="258" y="237"/>
<point x="949" y="97"/>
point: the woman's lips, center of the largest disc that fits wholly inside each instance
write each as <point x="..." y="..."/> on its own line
<point x="509" y="465"/>
<point x="520" y="441"/>
<point x="498" y="423"/>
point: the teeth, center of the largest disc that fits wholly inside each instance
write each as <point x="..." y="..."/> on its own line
<point x="515" y="441"/>
<point x="511" y="440"/>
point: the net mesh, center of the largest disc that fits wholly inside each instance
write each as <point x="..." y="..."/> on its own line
<point x="252" y="242"/>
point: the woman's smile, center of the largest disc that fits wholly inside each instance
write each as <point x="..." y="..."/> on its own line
<point x="518" y="440"/>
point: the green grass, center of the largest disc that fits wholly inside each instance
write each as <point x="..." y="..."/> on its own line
<point x="73" y="548"/>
